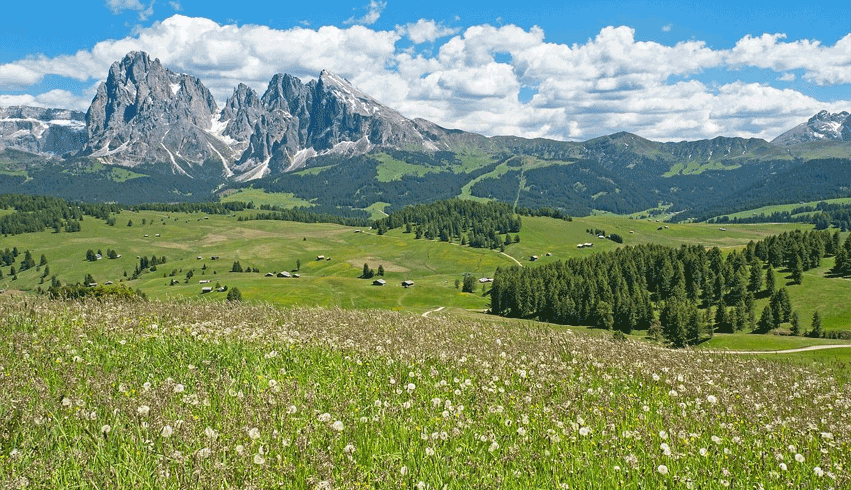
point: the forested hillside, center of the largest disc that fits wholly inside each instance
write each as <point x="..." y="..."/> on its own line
<point x="697" y="291"/>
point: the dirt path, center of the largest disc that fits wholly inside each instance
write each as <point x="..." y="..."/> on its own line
<point x="432" y="311"/>
<point x="512" y="258"/>
<point x="787" y="351"/>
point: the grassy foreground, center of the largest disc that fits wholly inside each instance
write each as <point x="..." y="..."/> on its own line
<point x="202" y="394"/>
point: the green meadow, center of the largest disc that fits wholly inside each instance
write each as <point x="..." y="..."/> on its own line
<point x="189" y="241"/>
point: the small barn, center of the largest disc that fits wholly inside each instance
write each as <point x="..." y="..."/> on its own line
<point x="284" y="274"/>
<point x="206" y="290"/>
<point x="379" y="282"/>
<point x="320" y="257"/>
<point x="533" y="258"/>
<point x="407" y="284"/>
<point x="270" y="274"/>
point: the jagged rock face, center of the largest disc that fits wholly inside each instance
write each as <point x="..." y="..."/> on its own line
<point x="824" y="126"/>
<point x="327" y="115"/>
<point x="145" y="113"/>
<point x="42" y="131"/>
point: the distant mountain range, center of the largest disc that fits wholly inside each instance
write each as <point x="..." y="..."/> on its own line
<point x="149" y="122"/>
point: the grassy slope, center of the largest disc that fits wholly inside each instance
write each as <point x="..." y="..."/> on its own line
<point x="259" y="197"/>
<point x="767" y="210"/>
<point x="275" y="246"/>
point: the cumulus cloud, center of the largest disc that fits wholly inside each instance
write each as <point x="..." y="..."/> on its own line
<point x="823" y="65"/>
<point x="424" y="31"/>
<point x="611" y="82"/>
<point x="176" y="6"/>
<point x="667" y="27"/>
<point x="53" y="98"/>
<point x="373" y="13"/>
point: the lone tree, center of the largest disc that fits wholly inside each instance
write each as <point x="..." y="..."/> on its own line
<point x="380" y="269"/>
<point x="234" y="295"/>
<point x="816" y="330"/>
<point x="469" y="284"/>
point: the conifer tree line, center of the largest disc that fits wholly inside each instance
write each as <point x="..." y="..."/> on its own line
<point x="468" y="222"/>
<point x="687" y="292"/>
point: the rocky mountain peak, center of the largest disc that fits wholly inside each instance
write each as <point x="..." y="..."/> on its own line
<point x="824" y="126"/>
<point x="145" y="112"/>
<point x="40" y="130"/>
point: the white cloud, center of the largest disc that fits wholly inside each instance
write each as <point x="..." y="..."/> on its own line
<point x="667" y="27"/>
<point x="424" y="31"/>
<point x="118" y="6"/>
<point x="787" y="77"/>
<point x="373" y="13"/>
<point x="53" y="98"/>
<point x="823" y="65"/>
<point x="145" y="14"/>
<point x="473" y="81"/>
<point x="176" y="6"/>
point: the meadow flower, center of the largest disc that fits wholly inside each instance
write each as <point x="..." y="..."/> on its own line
<point x="799" y="457"/>
<point x="254" y="433"/>
<point x="292" y="409"/>
<point x="240" y="449"/>
<point x="663" y="435"/>
<point x="324" y="417"/>
<point x="66" y="402"/>
<point x="662" y="469"/>
<point x="403" y="470"/>
<point x="338" y="426"/>
<point x="411" y="387"/>
<point x="584" y="431"/>
<point x="666" y="449"/>
<point x="521" y="431"/>
<point x="204" y="453"/>
<point x="210" y="433"/>
<point x="259" y="459"/>
<point x="783" y="466"/>
<point x="349" y="449"/>
<point x="711" y="399"/>
<point x="105" y="429"/>
<point x="429" y="451"/>
<point x="493" y="447"/>
<point x="179" y="388"/>
<point x="143" y="410"/>
<point x="167" y="431"/>
<point x="818" y="471"/>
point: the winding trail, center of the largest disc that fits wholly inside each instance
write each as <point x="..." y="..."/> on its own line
<point x="787" y="351"/>
<point x="432" y="311"/>
<point x="512" y="258"/>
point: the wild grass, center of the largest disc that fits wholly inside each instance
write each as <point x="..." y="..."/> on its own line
<point x="202" y="395"/>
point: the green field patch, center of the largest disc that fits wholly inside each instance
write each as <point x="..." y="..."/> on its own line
<point x="696" y="168"/>
<point x="260" y="197"/>
<point x="779" y="208"/>
<point x="390" y="169"/>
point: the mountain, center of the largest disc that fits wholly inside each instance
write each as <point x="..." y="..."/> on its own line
<point x="145" y="113"/>
<point x="824" y="126"/>
<point x="151" y="134"/>
<point x="42" y="131"/>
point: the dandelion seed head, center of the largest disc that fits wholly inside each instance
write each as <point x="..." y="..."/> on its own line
<point x="166" y="431"/>
<point x="338" y="426"/>
<point x="662" y="469"/>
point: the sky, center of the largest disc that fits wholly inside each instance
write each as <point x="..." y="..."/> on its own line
<point x="668" y="70"/>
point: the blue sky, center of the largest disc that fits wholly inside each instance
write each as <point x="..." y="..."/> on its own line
<point x="666" y="70"/>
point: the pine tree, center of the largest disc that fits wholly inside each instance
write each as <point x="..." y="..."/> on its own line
<point x="816" y="330"/>
<point x="770" y="286"/>
<point x="796" y="325"/>
<point x="755" y="282"/>
<point x="380" y="269"/>
<point x="798" y="272"/>
<point x="766" y="322"/>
